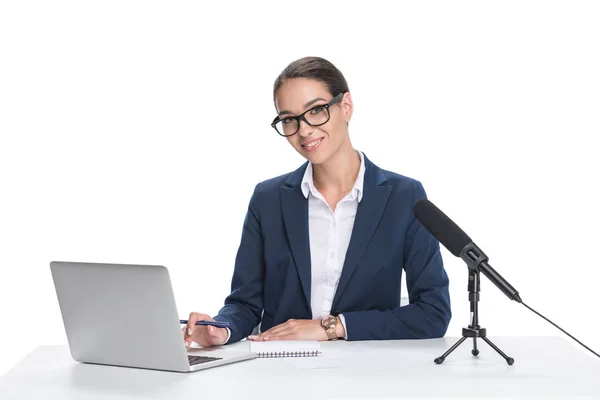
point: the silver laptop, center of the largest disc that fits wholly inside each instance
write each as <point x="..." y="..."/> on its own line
<point x="125" y="315"/>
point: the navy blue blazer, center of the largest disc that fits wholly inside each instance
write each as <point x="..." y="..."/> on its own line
<point x="272" y="274"/>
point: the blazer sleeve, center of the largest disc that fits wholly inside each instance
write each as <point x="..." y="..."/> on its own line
<point x="244" y="305"/>
<point x="428" y="314"/>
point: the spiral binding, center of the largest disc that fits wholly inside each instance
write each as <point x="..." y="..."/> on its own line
<point x="277" y="354"/>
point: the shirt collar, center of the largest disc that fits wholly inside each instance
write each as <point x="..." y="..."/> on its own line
<point x="308" y="186"/>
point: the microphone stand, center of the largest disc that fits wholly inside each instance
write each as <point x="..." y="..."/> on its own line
<point x="474" y="330"/>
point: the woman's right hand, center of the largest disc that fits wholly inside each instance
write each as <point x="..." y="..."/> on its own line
<point x="204" y="335"/>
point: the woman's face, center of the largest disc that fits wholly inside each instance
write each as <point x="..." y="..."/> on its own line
<point x="315" y="143"/>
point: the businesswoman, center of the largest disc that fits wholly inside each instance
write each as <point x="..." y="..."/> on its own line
<point x="323" y="247"/>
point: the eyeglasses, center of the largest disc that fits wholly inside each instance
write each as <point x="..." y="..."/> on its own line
<point x="316" y="116"/>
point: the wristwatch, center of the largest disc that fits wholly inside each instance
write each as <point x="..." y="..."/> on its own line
<point x="329" y="323"/>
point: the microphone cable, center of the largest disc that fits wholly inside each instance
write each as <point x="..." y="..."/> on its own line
<point x="571" y="336"/>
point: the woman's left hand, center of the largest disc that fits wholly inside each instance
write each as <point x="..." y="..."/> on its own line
<point x="293" y="329"/>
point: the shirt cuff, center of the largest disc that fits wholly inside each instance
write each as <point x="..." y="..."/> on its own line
<point x="228" y="336"/>
<point x="343" y="320"/>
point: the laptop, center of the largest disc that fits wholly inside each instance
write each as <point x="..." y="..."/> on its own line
<point x="125" y="315"/>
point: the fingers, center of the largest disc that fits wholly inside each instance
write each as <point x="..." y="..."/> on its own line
<point x="293" y="330"/>
<point x="265" y="334"/>
<point x="193" y="318"/>
<point x="204" y="335"/>
<point x="286" y="329"/>
<point x="288" y="335"/>
<point x="281" y="327"/>
<point x="191" y="329"/>
<point x="210" y="336"/>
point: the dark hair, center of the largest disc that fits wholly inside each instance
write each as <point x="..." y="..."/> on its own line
<point x="314" y="68"/>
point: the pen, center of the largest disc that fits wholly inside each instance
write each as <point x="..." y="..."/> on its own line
<point x="218" y="324"/>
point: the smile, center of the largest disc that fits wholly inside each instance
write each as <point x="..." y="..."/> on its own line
<point x="312" y="146"/>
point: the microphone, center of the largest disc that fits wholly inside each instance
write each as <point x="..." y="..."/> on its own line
<point x="460" y="244"/>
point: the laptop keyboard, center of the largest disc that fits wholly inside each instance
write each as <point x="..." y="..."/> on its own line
<point x="195" y="360"/>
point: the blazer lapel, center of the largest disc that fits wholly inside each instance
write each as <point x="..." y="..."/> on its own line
<point x="295" y="217"/>
<point x="368" y="215"/>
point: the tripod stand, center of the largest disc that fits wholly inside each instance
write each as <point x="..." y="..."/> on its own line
<point x="474" y="330"/>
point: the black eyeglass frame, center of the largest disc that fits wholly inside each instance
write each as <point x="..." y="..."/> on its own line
<point x="333" y="101"/>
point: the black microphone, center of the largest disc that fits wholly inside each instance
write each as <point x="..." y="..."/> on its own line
<point x="460" y="244"/>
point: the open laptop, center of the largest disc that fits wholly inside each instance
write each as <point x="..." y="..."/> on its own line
<point x="125" y="315"/>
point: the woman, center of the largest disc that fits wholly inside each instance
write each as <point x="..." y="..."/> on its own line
<point x="323" y="247"/>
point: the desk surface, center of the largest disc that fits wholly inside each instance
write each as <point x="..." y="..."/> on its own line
<point x="544" y="367"/>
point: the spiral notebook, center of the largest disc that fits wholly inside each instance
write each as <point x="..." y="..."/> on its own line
<point x="286" y="348"/>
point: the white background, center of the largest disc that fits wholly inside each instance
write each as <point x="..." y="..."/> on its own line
<point x="135" y="131"/>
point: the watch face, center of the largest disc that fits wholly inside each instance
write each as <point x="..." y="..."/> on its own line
<point x="328" y="321"/>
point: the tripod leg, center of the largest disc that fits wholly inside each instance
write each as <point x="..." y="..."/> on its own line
<point x="441" y="359"/>
<point x="475" y="351"/>
<point x="509" y="360"/>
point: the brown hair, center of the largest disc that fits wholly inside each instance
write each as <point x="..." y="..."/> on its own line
<point x="314" y="68"/>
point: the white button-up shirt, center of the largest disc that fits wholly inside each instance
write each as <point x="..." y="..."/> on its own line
<point x="329" y="235"/>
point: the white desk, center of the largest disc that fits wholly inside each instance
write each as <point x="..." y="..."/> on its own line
<point x="544" y="367"/>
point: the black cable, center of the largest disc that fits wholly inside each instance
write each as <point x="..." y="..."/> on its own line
<point x="597" y="355"/>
